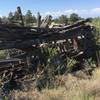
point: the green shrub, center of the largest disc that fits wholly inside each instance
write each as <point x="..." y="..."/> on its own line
<point x="70" y="63"/>
<point x="3" y="54"/>
<point x="96" y="23"/>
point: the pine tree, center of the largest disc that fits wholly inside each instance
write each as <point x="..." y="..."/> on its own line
<point x="11" y="17"/>
<point x="29" y="18"/>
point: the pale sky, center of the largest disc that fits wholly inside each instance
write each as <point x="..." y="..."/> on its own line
<point x="85" y="8"/>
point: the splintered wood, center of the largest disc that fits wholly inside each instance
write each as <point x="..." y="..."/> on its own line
<point x="72" y="40"/>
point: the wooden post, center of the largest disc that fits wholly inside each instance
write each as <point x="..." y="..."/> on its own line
<point x="38" y="20"/>
<point x="20" y="15"/>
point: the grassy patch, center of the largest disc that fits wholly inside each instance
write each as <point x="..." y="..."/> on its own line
<point x="73" y="89"/>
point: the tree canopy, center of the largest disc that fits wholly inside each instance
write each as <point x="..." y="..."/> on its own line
<point x="74" y="18"/>
<point x="29" y="18"/>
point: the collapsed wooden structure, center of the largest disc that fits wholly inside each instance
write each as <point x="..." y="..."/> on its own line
<point x="75" y="40"/>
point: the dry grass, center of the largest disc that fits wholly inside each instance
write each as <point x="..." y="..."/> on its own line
<point x="30" y="95"/>
<point x="73" y="89"/>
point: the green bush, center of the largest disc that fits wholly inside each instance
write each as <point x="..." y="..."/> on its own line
<point x="96" y="23"/>
<point x="70" y="63"/>
<point x="3" y="54"/>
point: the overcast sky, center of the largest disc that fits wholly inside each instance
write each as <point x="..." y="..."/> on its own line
<point x="85" y="8"/>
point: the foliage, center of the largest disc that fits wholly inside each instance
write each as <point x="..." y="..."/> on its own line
<point x="56" y="20"/>
<point x="29" y="18"/>
<point x="11" y="17"/>
<point x="96" y="23"/>
<point x="74" y="18"/>
<point x="4" y="19"/>
<point x="51" y="54"/>
<point x="89" y="64"/>
<point x="3" y="54"/>
<point x="70" y="63"/>
<point x="63" y="19"/>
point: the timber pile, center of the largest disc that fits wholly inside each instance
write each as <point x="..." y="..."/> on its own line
<point x="72" y="40"/>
